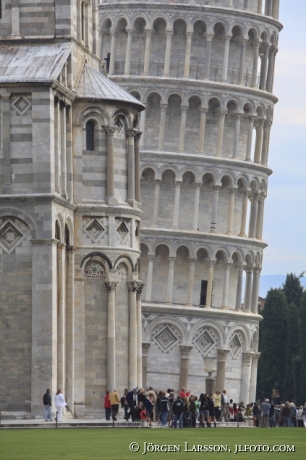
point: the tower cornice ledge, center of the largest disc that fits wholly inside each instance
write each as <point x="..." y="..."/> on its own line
<point x="201" y="236"/>
<point x="199" y="158"/>
<point x="183" y="310"/>
<point x="46" y="197"/>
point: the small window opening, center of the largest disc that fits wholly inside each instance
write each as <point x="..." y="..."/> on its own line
<point x="203" y="293"/>
<point x="90" y="127"/>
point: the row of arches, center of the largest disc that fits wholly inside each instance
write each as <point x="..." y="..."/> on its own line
<point x="201" y="276"/>
<point x="225" y="52"/>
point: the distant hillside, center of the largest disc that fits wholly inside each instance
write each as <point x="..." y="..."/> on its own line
<point x="273" y="281"/>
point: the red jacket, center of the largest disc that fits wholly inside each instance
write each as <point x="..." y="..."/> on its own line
<point x="107" y="403"/>
<point x="183" y="395"/>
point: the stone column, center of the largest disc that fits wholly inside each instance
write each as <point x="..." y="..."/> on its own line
<point x="255" y="291"/>
<point x="110" y="166"/>
<point x="57" y="129"/>
<point x="187" y="55"/>
<point x="230" y="217"/>
<point x="162" y="126"/>
<point x="269" y="7"/>
<point x="127" y="67"/>
<point x="61" y="320"/>
<point x="70" y="328"/>
<point x="245" y="377"/>
<point x="139" y="288"/>
<point x="259" y="7"/>
<point x="259" y="139"/>
<point x="210" y="284"/>
<point x="196" y="206"/>
<point x="275" y="10"/>
<point x="15" y="18"/>
<point x="79" y="337"/>
<point x="246" y="4"/>
<point x="202" y="130"/>
<point x="168" y="53"/>
<point x="242" y="62"/>
<point x="272" y="56"/>
<point x="111" y="335"/>
<point x="184" y="110"/>
<point x="260" y="217"/>
<point x="151" y="258"/>
<point x="146" y="67"/>
<point x="137" y="166"/>
<point x="221" y="121"/>
<point x="237" y="135"/>
<point x="253" y="215"/>
<point x="112" y="54"/>
<point x="265" y="143"/>
<point x="192" y="263"/>
<point x="214" y="215"/>
<point x="225" y="286"/>
<point x="230" y="3"/>
<point x="142" y="126"/>
<point x="239" y="287"/>
<point x="156" y="202"/>
<point x="63" y="151"/>
<point x="220" y="381"/>
<point x="44" y="321"/>
<point x="145" y="352"/>
<point x="185" y="352"/>
<point x="255" y="359"/>
<point x="209" y="38"/>
<point x="132" y="286"/>
<point x="170" y="280"/>
<point x="248" y="289"/>
<point x="244" y="214"/>
<point x="264" y="66"/>
<point x="69" y="154"/>
<point x="250" y="137"/>
<point x="255" y="64"/>
<point x="176" y="204"/>
<point x="225" y="58"/>
<point x="130" y="134"/>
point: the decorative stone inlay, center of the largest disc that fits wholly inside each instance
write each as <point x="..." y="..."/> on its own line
<point x="205" y="341"/>
<point x="94" y="271"/>
<point x="123" y="230"/>
<point x="95" y="230"/>
<point x="235" y="345"/>
<point x="166" y="338"/>
<point x="122" y="272"/>
<point x="10" y="237"/>
<point x="21" y="105"/>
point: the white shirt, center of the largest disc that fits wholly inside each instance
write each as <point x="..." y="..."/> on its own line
<point x="225" y="400"/>
<point x="59" y="400"/>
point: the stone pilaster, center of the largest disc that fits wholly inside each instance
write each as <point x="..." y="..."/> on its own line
<point x="245" y="377"/>
<point x="111" y="335"/>
<point x="145" y="352"/>
<point x="185" y="352"/>
<point x="221" y="365"/>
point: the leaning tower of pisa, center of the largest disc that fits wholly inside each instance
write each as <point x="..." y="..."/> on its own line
<point x="204" y="71"/>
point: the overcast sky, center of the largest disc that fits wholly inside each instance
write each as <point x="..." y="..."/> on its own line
<point x="285" y="207"/>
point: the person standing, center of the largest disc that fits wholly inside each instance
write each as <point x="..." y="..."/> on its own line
<point x="164" y="408"/>
<point x="177" y="409"/>
<point x="47" y="406"/>
<point x="131" y="399"/>
<point x="115" y="401"/>
<point x="265" y="407"/>
<point x="107" y="406"/>
<point x="224" y="404"/>
<point x="60" y="403"/>
<point x="217" y="405"/>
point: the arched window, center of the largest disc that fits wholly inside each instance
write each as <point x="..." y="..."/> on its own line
<point x="90" y="135"/>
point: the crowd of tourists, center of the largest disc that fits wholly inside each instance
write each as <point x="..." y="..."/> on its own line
<point x="186" y="410"/>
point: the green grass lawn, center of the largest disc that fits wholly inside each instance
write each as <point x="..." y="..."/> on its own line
<point x="88" y="444"/>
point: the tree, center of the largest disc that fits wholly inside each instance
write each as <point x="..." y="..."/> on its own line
<point x="303" y="348"/>
<point x="293" y="352"/>
<point x="271" y="371"/>
<point x="293" y="289"/>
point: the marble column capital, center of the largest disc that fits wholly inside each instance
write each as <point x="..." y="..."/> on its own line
<point x="139" y="287"/>
<point x="185" y="351"/>
<point x="110" y="286"/>
<point x="70" y="249"/>
<point x="222" y="355"/>
<point x="178" y="183"/>
<point x="247" y="358"/>
<point x="237" y="116"/>
<point x="197" y="185"/>
<point x="222" y="113"/>
<point x="110" y="130"/>
<point x="163" y="106"/>
<point x="145" y="348"/>
<point x="172" y="260"/>
<point x="130" y="31"/>
<point x="132" y="286"/>
<point x="192" y="261"/>
<point x="209" y="37"/>
<point x="61" y="245"/>
<point x="151" y="256"/>
<point x="169" y="33"/>
<point x="243" y="41"/>
<point x="255" y="358"/>
<point x="212" y="263"/>
<point x="216" y="188"/>
<point x="259" y="123"/>
<point x="227" y="38"/>
<point x="138" y="135"/>
<point x="113" y="32"/>
<point x="148" y="32"/>
<point x="203" y="110"/>
<point x="157" y="181"/>
<point x="184" y="108"/>
<point x="189" y="35"/>
<point x="131" y="132"/>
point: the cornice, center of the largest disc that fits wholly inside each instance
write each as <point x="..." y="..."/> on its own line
<point x="157" y="82"/>
<point x="200" y="237"/>
<point x="212" y="313"/>
<point x="34" y="197"/>
<point x="104" y="208"/>
<point x="202" y="160"/>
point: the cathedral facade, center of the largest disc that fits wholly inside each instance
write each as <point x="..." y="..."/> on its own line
<point x="132" y="195"/>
